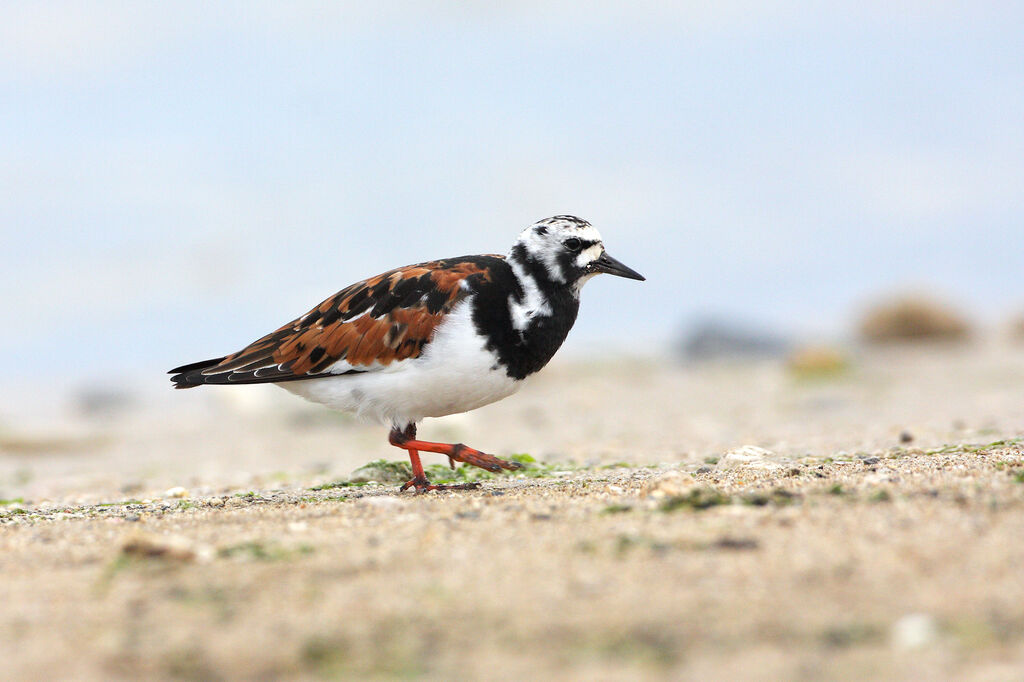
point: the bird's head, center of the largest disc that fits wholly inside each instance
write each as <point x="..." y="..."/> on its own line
<point x="569" y="249"/>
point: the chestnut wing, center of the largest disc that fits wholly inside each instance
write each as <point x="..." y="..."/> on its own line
<point x="365" y="327"/>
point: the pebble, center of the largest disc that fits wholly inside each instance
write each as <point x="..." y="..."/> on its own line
<point x="914" y="631"/>
<point x="669" y="484"/>
<point x="748" y="457"/>
<point x="214" y="502"/>
<point x="176" y="491"/>
<point x="736" y="543"/>
<point x="168" y="547"/>
<point x="382" y="502"/>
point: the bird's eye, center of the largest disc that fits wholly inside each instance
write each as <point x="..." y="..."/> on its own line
<point x="573" y="244"/>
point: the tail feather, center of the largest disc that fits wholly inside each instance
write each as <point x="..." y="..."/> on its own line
<point x="190" y="376"/>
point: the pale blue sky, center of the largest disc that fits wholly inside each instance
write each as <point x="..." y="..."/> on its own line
<point x="175" y="181"/>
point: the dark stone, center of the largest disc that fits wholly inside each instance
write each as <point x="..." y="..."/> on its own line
<point x="716" y="339"/>
<point x="736" y="543"/>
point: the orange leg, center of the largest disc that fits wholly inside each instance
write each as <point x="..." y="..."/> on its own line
<point x="457" y="452"/>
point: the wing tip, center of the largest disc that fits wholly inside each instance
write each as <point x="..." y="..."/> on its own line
<point x="190" y="376"/>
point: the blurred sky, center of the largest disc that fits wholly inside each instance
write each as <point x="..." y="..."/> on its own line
<point x="178" y="178"/>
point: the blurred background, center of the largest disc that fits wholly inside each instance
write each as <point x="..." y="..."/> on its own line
<point x="177" y="179"/>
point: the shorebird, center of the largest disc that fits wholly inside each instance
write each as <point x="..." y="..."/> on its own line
<point x="431" y="339"/>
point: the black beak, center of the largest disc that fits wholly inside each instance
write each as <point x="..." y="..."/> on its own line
<point x="613" y="267"/>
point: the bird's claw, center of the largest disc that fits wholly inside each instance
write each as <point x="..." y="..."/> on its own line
<point x="422" y="485"/>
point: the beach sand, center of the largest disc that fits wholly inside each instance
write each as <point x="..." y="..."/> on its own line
<point x="727" y="520"/>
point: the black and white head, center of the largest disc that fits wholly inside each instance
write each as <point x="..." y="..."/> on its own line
<point x="565" y="250"/>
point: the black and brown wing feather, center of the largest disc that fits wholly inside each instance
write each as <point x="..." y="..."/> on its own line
<point x="371" y="324"/>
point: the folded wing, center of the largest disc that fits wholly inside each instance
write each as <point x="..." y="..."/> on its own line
<point x="366" y="327"/>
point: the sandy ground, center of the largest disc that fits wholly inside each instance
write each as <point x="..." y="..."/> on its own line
<point x="712" y="521"/>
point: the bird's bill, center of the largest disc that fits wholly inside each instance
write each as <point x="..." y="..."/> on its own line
<point x="613" y="267"/>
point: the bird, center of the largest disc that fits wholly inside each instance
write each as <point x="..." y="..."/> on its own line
<point x="429" y="340"/>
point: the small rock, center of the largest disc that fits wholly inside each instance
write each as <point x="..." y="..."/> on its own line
<point x="669" y="484"/>
<point x="614" y="489"/>
<point x="704" y="470"/>
<point x="168" y="547"/>
<point x="176" y="491"/>
<point x="697" y="499"/>
<point x="214" y="502"/>
<point x="382" y="471"/>
<point x="736" y="543"/>
<point x="748" y="457"/>
<point x="870" y="461"/>
<point x="715" y="339"/>
<point x="914" y="631"/>
<point x="906" y="437"/>
<point x="382" y="502"/>
<point x="913" y="319"/>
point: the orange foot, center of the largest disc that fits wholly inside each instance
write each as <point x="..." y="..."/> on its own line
<point x="457" y="452"/>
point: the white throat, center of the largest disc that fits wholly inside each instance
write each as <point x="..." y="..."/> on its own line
<point x="578" y="285"/>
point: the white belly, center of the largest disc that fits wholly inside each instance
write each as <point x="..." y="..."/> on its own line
<point x="455" y="373"/>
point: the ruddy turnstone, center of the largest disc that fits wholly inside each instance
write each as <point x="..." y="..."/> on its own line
<point x="431" y="339"/>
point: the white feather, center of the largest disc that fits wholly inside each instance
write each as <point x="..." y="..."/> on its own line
<point x="589" y="255"/>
